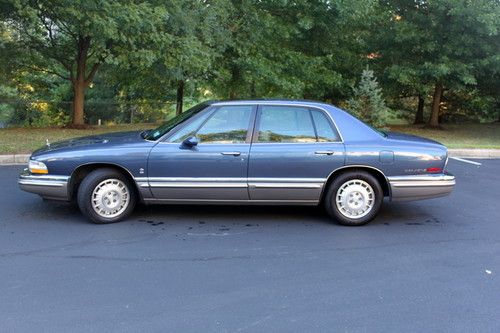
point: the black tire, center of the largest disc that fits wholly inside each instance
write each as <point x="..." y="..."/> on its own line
<point x="91" y="182"/>
<point x="331" y="194"/>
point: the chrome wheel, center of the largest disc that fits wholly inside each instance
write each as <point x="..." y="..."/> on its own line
<point x="110" y="198"/>
<point x="355" y="198"/>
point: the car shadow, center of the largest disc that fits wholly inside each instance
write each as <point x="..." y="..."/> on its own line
<point x="156" y="215"/>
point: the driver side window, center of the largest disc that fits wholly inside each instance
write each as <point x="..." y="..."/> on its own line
<point x="228" y="124"/>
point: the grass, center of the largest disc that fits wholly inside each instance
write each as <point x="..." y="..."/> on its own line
<point x="458" y="136"/>
<point x="26" y="140"/>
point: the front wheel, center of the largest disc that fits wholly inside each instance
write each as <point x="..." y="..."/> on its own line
<point x="106" y="196"/>
<point x="354" y="198"/>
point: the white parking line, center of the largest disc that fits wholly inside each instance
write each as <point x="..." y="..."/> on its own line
<point x="465" y="161"/>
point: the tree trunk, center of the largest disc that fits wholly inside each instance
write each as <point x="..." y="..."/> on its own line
<point x="81" y="80"/>
<point x="180" y="97"/>
<point x="253" y="90"/>
<point x="78" y="102"/>
<point x="498" y="108"/>
<point x="436" y="105"/>
<point x="419" y="116"/>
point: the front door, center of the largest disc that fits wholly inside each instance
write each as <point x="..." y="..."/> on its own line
<point x="214" y="169"/>
<point x="294" y="150"/>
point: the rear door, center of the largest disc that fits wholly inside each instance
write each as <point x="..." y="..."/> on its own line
<point x="294" y="150"/>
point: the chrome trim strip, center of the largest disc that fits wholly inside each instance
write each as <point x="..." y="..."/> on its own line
<point x="49" y="183"/>
<point x="423" y="183"/>
<point x="198" y="184"/>
<point x="225" y="202"/>
<point x="45" y="177"/>
<point x="286" y="185"/>
<point x="421" y="178"/>
<point x="208" y="182"/>
<point x="288" y="180"/>
<point x="228" y="179"/>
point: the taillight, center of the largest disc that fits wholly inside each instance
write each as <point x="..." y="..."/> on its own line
<point x="434" y="170"/>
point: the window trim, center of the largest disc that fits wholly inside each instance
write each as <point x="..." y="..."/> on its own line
<point x="255" y="135"/>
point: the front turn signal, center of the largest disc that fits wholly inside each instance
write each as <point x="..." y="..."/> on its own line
<point x="37" y="167"/>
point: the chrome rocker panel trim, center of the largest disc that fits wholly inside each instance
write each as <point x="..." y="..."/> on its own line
<point x="406" y="188"/>
<point x="47" y="186"/>
<point x="230" y="202"/>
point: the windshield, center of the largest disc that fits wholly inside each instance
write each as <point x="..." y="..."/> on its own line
<point x="157" y="133"/>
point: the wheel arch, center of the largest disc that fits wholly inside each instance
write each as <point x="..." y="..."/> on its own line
<point x="83" y="170"/>
<point x="378" y="174"/>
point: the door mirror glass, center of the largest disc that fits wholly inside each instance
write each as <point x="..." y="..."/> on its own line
<point x="190" y="142"/>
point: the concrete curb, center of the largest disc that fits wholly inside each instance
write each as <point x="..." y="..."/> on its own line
<point x="475" y="153"/>
<point x="12" y="159"/>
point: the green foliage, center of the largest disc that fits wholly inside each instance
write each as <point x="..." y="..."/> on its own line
<point x="428" y="42"/>
<point x="130" y="56"/>
<point x="368" y="103"/>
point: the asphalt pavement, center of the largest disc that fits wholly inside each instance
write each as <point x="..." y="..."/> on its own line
<point x="427" y="266"/>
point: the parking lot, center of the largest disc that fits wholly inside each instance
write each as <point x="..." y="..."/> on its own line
<point x="419" y="267"/>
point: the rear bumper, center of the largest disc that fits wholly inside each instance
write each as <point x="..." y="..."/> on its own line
<point x="406" y="188"/>
<point x="47" y="186"/>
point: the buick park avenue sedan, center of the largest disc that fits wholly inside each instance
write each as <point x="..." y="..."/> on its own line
<point x="243" y="152"/>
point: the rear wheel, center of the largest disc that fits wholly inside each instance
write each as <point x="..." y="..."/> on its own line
<point x="106" y="196"/>
<point x="354" y="198"/>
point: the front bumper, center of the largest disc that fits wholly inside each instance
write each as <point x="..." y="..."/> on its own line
<point x="47" y="186"/>
<point x="406" y="188"/>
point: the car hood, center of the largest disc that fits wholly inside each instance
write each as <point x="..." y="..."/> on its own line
<point x="410" y="138"/>
<point x="101" y="140"/>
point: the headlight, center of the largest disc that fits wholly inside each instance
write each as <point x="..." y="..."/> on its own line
<point x="37" y="167"/>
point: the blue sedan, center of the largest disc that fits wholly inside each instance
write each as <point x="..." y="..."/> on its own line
<point x="277" y="152"/>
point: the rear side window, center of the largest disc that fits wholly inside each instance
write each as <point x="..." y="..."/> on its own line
<point x="324" y="129"/>
<point x="289" y="124"/>
<point x="286" y="124"/>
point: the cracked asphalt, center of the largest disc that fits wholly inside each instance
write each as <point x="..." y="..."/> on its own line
<point x="427" y="266"/>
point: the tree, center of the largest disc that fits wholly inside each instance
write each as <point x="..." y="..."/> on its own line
<point x="438" y="43"/>
<point x="186" y="63"/>
<point x="72" y="39"/>
<point x="368" y="104"/>
<point x="295" y="49"/>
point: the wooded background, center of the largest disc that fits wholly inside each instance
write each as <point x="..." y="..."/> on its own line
<point x="417" y="61"/>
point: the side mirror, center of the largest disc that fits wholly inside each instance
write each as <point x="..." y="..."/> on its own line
<point x="190" y="142"/>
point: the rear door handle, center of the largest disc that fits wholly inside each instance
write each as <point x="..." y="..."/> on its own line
<point x="324" y="152"/>
<point x="233" y="153"/>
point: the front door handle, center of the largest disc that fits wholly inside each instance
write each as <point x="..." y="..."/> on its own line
<point x="324" y="152"/>
<point x="233" y="153"/>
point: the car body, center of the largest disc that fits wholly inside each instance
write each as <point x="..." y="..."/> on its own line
<point x="244" y="152"/>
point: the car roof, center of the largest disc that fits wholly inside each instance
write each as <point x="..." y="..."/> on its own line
<point x="270" y="102"/>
